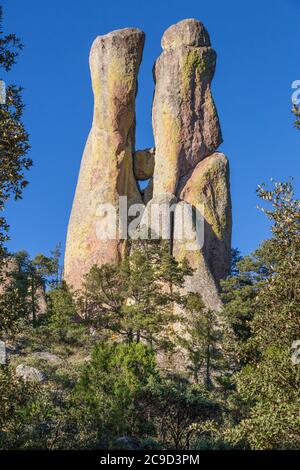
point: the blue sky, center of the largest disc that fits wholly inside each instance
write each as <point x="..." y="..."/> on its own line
<point x="257" y="43"/>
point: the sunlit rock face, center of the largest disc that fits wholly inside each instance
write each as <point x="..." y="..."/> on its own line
<point x="185" y="167"/>
<point x="106" y="170"/>
<point x="187" y="134"/>
<point x="185" y="121"/>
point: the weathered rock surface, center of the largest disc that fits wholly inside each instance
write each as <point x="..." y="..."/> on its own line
<point x="3" y="352"/>
<point x="143" y="164"/>
<point x="30" y="374"/>
<point x="157" y="217"/>
<point x="189" y="32"/>
<point x="48" y="357"/>
<point x="7" y="269"/>
<point x="41" y="301"/>
<point x="106" y="169"/>
<point x="185" y="121"/>
<point x="207" y="188"/>
<point x="202" y="280"/>
<point x="8" y="272"/>
<point x="147" y="193"/>
<point x="184" y="168"/>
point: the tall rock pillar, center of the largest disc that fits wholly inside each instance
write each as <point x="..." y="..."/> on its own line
<point x="106" y="170"/>
<point x="187" y="134"/>
<point x="185" y="121"/>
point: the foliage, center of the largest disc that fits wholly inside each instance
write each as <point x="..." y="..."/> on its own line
<point x="239" y="292"/>
<point x="14" y="144"/>
<point x="268" y="385"/>
<point x="60" y="307"/>
<point x="135" y="298"/>
<point x="296" y="112"/>
<point x="201" y="339"/>
<point x="16" y="403"/>
<point x="12" y="311"/>
<point x="108" y="399"/>
<point x="177" y="407"/>
<point x="244" y="387"/>
<point x="30" y="279"/>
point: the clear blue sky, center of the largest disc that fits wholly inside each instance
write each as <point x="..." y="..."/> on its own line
<point x="257" y="43"/>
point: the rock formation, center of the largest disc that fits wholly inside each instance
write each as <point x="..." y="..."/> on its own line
<point x="106" y="170"/>
<point x="9" y="271"/>
<point x="143" y="164"/>
<point x="30" y="374"/>
<point x="185" y="121"/>
<point x="207" y="185"/>
<point x="187" y="133"/>
<point x="184" y="168"/>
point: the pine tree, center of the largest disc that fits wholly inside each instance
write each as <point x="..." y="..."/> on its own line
<point x="268" y="386"/>
<point x="135" y="298"/>
<point x="14" y="144"/>
<point x="30" y="280"/>
<point x="201" y="339"/>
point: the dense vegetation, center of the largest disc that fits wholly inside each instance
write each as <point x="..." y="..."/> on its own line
<point x="110" y="374"/>
<point x="108" y="356"/>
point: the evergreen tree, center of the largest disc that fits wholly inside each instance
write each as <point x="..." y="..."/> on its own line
<point x="177" y="407"/>
<point x="31" y="279"/>
<point x="201" y="339"/>
<point x="239" y="291"/>
<point x="14" y="144"/>
<point x="135" y="298"/>
<point x="108" y="400"/>
<point x="268" y="385"/>
<point x="61" y="308"/>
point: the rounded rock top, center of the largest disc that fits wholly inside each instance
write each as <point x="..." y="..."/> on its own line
<point x="121" y="35"/>
<point x="119" y="40"/>
<point x="189" y="32"/>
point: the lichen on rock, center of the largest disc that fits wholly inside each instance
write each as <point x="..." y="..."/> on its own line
<point x="184" y="168"/>
<point x="185" y="121"/>
<point x="106" y="170"/>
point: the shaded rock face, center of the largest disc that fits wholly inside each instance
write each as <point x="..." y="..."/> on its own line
<point x="148" y="192"/>
<point x="184" y="168"/>
<point x="185" y="121"/>
<point x="8" y="271"/>
<point x="207" y="186"/>
<point x="143" y="164"/>
<point x="106" y="169"/>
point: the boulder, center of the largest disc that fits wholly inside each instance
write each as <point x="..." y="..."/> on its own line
<point x="30" y="374"/>
<point x="143" y="164"/>
<point x="48" y="357"/>
<point x="127" y="443"/>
